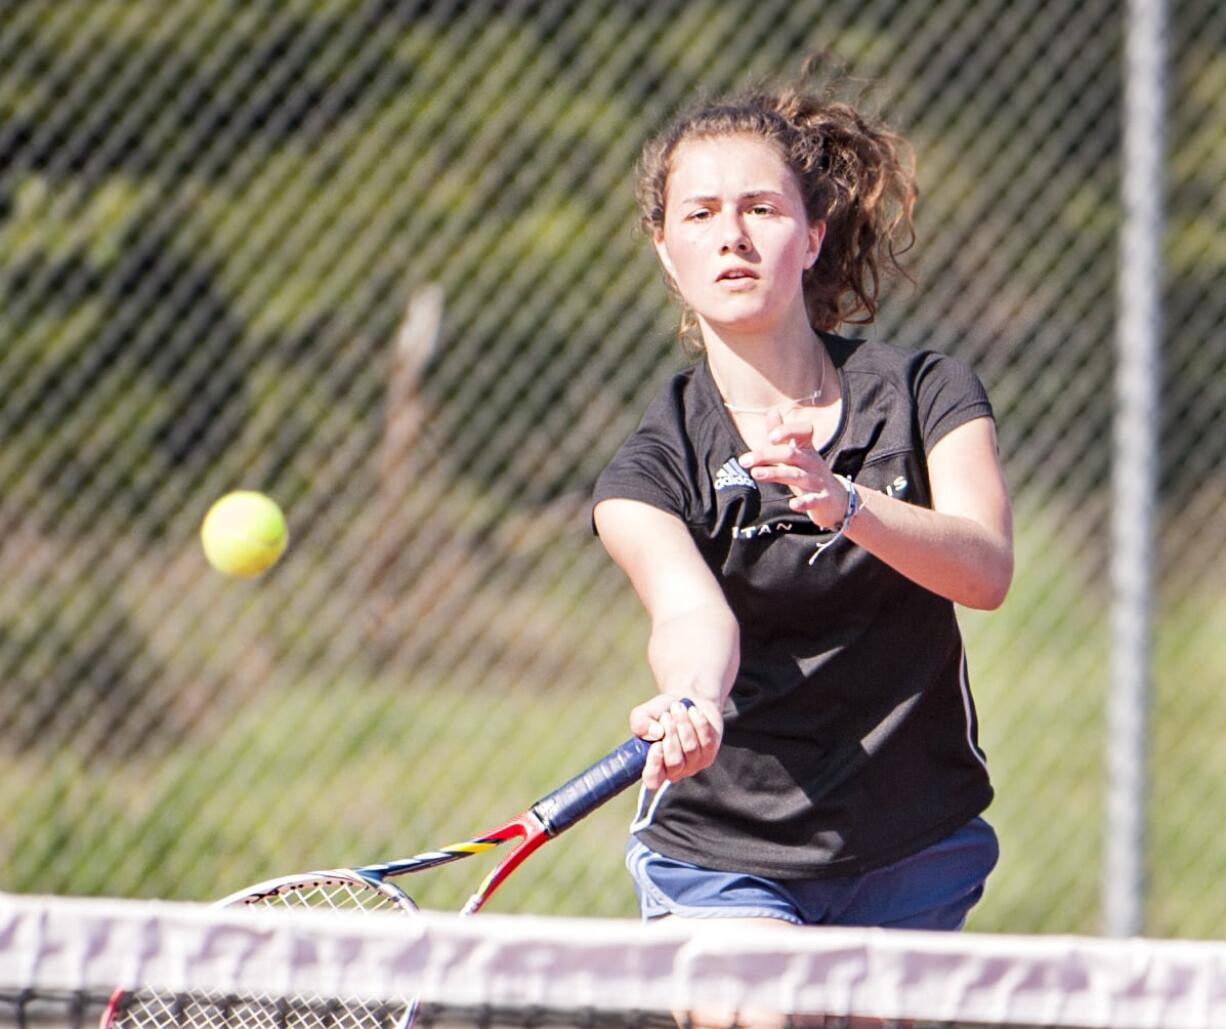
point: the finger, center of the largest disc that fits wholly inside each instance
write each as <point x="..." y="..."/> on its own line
<point x="789" y="475"/>
<point x="773" y="420"/>
<point x="807" y="501"/>
<point x="782" y="453"/>
<point x="653" y="770"/>
<point x="687" y="737"/>
<point x="704" y="731"/>
<point x="822" y="508"/>
<point x="678" y="760"/>
<point x="645" y="717"/>
<point x="671" y="750"/>
<point x="644" y="724"/>
<point x="798" y="433"/>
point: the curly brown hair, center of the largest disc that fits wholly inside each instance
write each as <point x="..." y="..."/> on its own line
<point x="854" y="173"/>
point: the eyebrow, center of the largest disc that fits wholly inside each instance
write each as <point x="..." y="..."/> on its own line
<point x="749" y="195"/>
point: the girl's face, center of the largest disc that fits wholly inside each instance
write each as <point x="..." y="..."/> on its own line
<point x="736" y="239"/>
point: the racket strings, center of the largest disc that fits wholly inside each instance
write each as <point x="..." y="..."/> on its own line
<point x="150" y="1009"/>
<point x="328" y="895"/>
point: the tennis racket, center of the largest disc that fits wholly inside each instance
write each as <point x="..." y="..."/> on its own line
<point x="367" y="889"/>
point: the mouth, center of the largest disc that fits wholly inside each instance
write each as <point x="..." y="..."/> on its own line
<point x="736" y="275"/>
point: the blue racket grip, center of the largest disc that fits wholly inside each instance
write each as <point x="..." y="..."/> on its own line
<point x="583" y="794"/>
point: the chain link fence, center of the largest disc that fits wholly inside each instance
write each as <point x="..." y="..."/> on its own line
<point x="378" y="259"/>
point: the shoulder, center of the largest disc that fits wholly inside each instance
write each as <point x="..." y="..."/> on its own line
<point x="936" y="392"/>
<point x="889" y="361"/>
<point x="681" y="415"/>
<point x="678" y="401"/>
<point x="659" y="460"/>
<point x="906" y="368"/>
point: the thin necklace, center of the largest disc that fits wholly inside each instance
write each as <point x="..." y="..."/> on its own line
<point x="809" y="398"/>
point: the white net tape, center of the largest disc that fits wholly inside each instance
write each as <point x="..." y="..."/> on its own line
<point x="514" y="962"/>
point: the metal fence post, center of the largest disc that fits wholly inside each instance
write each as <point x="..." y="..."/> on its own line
<point x="1134" y="469"/>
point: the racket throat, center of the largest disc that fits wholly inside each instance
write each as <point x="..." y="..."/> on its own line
<point x="532" y="841"/>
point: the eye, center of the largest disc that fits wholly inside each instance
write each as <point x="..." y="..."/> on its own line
<point x="762" y="209"/>
<point x="701" y="214"/>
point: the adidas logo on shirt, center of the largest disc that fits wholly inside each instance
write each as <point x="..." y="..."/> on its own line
<point x="732" y="474"/>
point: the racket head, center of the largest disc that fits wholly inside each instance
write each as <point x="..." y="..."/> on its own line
<point x="340" y="889"/>
<point x="335" y="890"/>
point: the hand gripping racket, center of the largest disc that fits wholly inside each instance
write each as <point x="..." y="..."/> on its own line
<point x="367" y="889"/>
<point x="553" y="814"/>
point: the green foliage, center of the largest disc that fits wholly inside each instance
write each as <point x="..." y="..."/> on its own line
<point x="79" y="673"/>
<point x="261" y="207"/>
<point x="112" y="391"/>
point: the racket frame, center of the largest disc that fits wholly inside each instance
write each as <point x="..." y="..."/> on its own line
<point x="303" y="881"/>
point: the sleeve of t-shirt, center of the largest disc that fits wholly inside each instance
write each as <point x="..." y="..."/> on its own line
<point x="652" y="465"/>
<point x="947" y="394"/>
<point x="645" y="470"/>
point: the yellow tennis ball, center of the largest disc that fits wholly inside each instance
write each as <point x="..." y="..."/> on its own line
<point x="244" y="533"/>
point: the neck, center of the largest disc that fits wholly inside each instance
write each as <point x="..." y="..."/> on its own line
<point x="768" y="370"/>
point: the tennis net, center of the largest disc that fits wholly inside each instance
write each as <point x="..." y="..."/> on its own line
<point x="62" y="959"/>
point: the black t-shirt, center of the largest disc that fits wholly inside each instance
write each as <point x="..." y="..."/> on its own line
<point x="850" y="735"/>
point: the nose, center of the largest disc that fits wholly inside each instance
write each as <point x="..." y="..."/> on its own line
<point x="733" y="239"/>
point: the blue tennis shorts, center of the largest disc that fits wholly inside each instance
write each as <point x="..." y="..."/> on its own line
<point x="934" y="889"/>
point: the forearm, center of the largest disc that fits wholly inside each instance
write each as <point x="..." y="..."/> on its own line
<point x="694" y="648"/>
<point x="961" y="548"/>
<point x="696" y="653"/>
<point x="951" y="555"/>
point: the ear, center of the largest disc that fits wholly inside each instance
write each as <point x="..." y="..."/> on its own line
<point x="662" y="253"/>
<point x="817" y="233"/>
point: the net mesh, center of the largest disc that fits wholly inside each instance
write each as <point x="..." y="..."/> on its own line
<point x="205" y="967"/>
<point x="161" y="1009"/>
<point x="342" y="891"/>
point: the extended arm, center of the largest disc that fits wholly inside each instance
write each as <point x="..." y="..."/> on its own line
<point x="694" y="649"/>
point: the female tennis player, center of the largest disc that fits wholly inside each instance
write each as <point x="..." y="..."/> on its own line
<point x="800" y="511"/>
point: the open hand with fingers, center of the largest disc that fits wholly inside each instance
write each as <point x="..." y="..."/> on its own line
<point x="685" y="736"/>
<point x="790" y="459"/>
